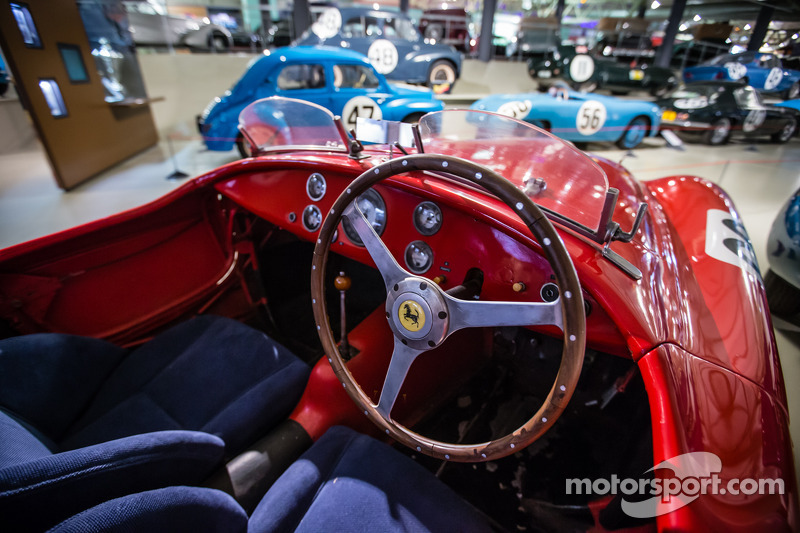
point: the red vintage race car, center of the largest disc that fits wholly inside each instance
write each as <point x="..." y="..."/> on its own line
<point x="547" y="343"/>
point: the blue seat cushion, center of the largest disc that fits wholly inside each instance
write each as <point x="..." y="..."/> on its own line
<point x="350" y="482"/>
<point x="42" y="489"/>
<point x="209" y="374"/>
<point x="167" y="510"/>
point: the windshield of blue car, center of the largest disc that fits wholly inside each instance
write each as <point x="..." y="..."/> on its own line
<point x="743" y="58"/>
<point x="400" y="28"/>
<point x="695" y="91"/>
<point x="354" y="77"/>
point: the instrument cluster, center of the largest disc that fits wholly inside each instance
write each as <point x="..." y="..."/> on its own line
<point x="427" y="220"/>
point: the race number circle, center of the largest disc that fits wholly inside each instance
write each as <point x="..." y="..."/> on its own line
<point x="516" y="109"/>
<point x="383" y="56"/>
<point x="328" y="24"/>
<point x="697" y="102"/>
<point x="360" y="106"/>
<point x="754" y="120"/>
<point x="773" y="78"/>
<point x="736" y="71"/>
<point x="581" y="68"/>
<point x="591" y="117"/>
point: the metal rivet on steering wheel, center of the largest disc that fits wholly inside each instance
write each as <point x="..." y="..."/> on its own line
<point x="421" y="315"/>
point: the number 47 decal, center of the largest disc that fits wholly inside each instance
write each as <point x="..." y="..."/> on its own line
<point x="360" y="106"/>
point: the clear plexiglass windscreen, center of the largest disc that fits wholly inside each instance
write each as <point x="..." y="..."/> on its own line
<point x="569" y="182"/>
<point x="283" y="122"/>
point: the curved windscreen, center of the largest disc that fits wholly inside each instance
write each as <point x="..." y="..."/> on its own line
<point x="272" y="123"/>
<point x="555" y="174"/>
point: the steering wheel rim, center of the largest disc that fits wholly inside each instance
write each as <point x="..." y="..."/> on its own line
<point x="569" y="303"/>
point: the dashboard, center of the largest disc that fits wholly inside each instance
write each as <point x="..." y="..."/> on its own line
<point x="432" y="228"/>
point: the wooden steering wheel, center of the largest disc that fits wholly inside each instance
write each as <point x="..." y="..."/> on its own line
<point x="438" y="314"/>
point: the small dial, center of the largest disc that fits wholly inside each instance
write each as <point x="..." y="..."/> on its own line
<point x="373" y="207"/>
<point x="427" y="218"/>
<point x="419" y="257"/>
<point x="316" y="186"/>
<point x="312" y="218"/>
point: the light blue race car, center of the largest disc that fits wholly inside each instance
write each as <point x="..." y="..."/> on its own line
<point x="392" y="43"/>
<point x="792" y="104"/>
<point x="340" y="80"/>
<point x="764" y="72"/>
<point x="580" y="117"/>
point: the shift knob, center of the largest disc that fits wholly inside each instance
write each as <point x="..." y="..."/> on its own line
<point x="342" y="282"/>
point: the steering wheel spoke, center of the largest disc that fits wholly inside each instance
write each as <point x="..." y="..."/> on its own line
<point x="391" y="271"/>
<point x="474" y="313"/>
<point x="402" y="358"/>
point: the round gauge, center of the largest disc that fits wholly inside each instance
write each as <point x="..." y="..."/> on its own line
<point x="316" y="186"/>
<point x="312" y="218"/>
<point x="427" y="218"/>
<point x="419" y="257"/>
<point x="374" y="208"/>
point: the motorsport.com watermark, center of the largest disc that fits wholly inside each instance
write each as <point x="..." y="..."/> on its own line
<point x="695" y="473"/>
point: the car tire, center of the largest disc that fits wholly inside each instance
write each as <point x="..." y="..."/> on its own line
<point x="792" y="92"/>
<point x="783" y="297"/>
<point x="218" y="43"/>
<point x="634" y="134"/>
<point x="442" y="71"/>
<point x="719" y="133"/>
<point x="786" y="132"/>
<point x="413" y="118"/>
<point x="243" y="146"/>
<point x="434" y="32"/>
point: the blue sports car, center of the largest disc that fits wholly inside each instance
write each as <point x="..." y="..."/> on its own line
<point x="340" y="80"/>
<point x="762" y="71"/>
<point x="580" y="117"/>
<point x="392" y="43"/>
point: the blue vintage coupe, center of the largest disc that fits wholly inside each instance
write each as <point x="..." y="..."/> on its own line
<point x="340" y="80"/>
<point x="392" y="43"/>
<point x="761" y="71"/>
<point x="580" y="117"/>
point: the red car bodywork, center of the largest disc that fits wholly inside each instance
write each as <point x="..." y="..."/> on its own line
<point x="697" y="327"/>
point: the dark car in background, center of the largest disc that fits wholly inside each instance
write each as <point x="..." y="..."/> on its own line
<point x="151" y="25"/>
<point x="391" y="42"/>
<point x="447" y="26"/>
<point x="588" y="72"/>
<point x="717" y="110"/>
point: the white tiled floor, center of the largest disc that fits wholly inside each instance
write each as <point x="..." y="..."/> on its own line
<point x="759" y="177"/>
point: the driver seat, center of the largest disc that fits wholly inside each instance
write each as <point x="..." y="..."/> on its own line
<point x="345" y="482"/>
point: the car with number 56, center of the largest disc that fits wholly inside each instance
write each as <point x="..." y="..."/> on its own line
<point x="718" y="110"/>
<point x="392" y="43"/>
<point x="580" y="117"/>
<point x="339" y="80"/>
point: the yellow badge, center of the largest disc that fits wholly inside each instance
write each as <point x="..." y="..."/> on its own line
<point x="411" y="315"/>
